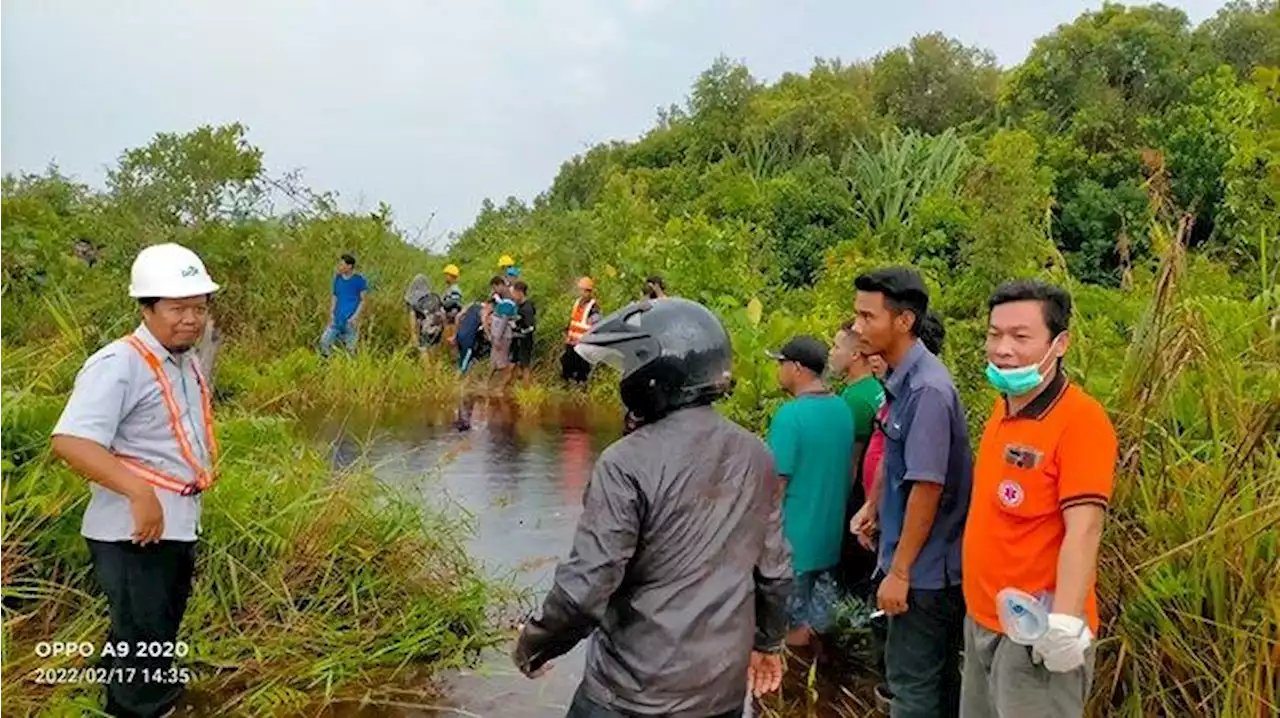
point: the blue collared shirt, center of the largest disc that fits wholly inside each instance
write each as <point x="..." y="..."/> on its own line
<point x="926" y="439"/>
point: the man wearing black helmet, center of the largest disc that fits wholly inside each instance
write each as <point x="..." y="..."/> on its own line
<point x="678" y="560"/>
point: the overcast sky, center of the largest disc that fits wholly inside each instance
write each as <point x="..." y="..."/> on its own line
<point x="430" y="106"/>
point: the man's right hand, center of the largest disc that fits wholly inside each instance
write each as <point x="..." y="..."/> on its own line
<point x="764" y="673"/>
<point x="863" y="525"/>
<point x="539" y="672"/>
<point x="148" y="517"/>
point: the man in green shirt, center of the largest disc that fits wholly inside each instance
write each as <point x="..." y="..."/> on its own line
<point x="811" y="438"/>
<point x="863" y="392"/>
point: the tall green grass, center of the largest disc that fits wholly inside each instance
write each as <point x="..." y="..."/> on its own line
<point x="312" y="584"/>
<point x="393" y="384"/>
<point x="1190" y="575"/>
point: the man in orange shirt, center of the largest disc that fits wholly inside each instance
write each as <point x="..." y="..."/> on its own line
<point x="1041" y="484"/>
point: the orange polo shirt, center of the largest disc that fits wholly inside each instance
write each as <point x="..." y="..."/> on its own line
<point x="1059" y="451"/>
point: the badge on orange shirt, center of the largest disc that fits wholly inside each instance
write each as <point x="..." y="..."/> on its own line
<point x="1023" y="457"/>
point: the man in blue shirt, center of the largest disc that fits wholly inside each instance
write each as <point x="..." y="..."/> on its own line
<point x="349" y="290"/>
<point x="922" y="500"/>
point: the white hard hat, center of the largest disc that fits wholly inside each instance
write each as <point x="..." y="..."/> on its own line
<point x="169" y="271"/>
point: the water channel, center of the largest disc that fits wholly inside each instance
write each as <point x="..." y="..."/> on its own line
<point x="522" y="480"/>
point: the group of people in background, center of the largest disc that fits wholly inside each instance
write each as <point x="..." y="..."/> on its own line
<point x="501" y="327"/>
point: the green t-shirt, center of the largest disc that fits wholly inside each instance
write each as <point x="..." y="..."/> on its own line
<point x="864" y="397"/>
<point x="811" y="438"/>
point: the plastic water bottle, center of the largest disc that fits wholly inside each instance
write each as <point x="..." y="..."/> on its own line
<point x="1023" y="617"/>
<point x="748" y="709"/>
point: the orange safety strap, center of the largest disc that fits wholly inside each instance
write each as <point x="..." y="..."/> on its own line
<point x="203" y="478"/>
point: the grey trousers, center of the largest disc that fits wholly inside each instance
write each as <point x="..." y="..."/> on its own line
<point x="1002" y="681"/>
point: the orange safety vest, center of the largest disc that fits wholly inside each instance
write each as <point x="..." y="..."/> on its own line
<point x="579" y="321"/>
<point x="204" y="477"/>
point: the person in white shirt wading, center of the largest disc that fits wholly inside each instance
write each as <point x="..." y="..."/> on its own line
<point x="139" y="427"/>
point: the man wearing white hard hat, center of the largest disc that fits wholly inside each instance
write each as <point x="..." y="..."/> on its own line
<point x="139" y="428"/>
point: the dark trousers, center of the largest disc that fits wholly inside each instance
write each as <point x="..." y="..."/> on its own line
<point x="879" y="629"/>
<point x="922" y="654"/>
<point x="147" y="589"/>
<point x="857" y="572"/>
<point x="584" y="707"/>
<point x="573" y="367"/>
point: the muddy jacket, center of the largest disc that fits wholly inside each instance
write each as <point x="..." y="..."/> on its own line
<point x="678" y="570"/>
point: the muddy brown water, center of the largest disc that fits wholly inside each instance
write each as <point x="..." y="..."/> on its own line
<point x="521" y="479"/>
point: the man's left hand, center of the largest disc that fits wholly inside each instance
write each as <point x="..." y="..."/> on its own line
<point x="1062" y="648"/>
<point x="892" y="596"/>
<point x="764" y="673"/>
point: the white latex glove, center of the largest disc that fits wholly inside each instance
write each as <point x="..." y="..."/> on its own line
<point x="1062" y="648"/>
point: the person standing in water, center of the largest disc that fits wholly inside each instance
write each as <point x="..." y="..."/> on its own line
<point x="139" y="427"/>
<point x="451" y="302"/>
<point x="498" y="290"/>
<point x="679" y="573"/>
<point x="501" y="333"/>
<point x="526" y="325"/>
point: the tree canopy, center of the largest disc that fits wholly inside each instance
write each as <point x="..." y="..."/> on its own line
<point x="896" y="153"/>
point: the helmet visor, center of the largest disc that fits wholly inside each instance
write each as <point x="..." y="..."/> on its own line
<point x="595" y="354"/>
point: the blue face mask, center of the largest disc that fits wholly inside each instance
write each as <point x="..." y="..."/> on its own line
<point x="1019" y="380"/>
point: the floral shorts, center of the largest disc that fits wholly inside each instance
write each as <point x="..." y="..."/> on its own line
<point x="813" y="600"/>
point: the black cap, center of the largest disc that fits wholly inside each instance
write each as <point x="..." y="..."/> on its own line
<point x="809" y="352"/>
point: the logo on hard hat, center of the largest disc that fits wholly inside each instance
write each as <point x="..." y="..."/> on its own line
<point x="190" y="271"/>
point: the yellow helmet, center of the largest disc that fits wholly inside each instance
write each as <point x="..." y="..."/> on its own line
<point x="506" y="261"/>
<point x="451" y="270"/>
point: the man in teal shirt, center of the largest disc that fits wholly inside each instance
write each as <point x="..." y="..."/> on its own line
<point x="811" y="437"/>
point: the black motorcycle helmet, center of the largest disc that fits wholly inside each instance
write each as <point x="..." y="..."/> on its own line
<point x="671" y="352"/>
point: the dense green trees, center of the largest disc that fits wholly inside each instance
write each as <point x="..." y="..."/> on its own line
<point x="935" y="83"/>
<point x="1103" y="107"/>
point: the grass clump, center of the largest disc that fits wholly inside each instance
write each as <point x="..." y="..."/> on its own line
<point x="311" y="584"/>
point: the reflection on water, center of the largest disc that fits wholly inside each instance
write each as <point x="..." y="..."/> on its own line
<point x="522" y="479"/>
